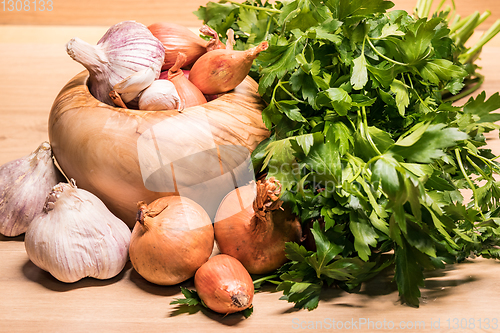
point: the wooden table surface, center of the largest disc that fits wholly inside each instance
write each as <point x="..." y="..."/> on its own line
<point x="34" y="67"/>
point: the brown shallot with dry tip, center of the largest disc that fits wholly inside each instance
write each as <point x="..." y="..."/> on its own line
<point x="126" y="48"/>
<point x="221" y="70"/>
<point x="252" y="224"/>
<point x="172" y="238"/>
<point x="189" y="94"/>
<point x="24" y="185"/>
<point x="177" y="38"/>
<point x="224" y="285"/>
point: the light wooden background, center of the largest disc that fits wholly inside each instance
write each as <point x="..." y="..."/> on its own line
<point x="98" y="12"/>
<point x="33" y="68"/>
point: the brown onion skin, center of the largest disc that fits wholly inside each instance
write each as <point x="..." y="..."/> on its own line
<point x="221" y="70"/>
<point x="259" y="244"/>
<point x="177" y="38"/>
<point x="96" y="144"/>
<point x="224" y="285"/>
<point x="168" y="248"/>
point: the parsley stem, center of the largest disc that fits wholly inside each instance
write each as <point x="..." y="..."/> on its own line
<point x="270" y="10"/>
<point x="280" y="84"/>
<point x="487" y="161"/>
<point x="440" y="5"/>
<point x="463" y="33"/>
<point x="478" y="170"/>
<point x="264" y="279"/>
<point x="383" y="56"/>
<point x="364" y="129"/>
<point x="471" y="185"/>
<point x="485" y="38"/>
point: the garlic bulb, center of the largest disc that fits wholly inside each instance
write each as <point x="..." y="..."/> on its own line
<point x="126" y="48"/>
<point x="24" y="185"/>
<point x="77" y="236"/>
<point x="160" y="95"/>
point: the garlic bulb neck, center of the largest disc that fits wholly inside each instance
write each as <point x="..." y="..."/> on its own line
<point x="90" y="56"/>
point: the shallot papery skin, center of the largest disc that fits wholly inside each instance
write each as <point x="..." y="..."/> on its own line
<point x="172" y="238"/>
<point x="252" y="225"/>
<point x="189" y="94"/>
<point x="221" y="70"/>
<point x="126" y="48"/>
<point x="76" y="236"/>
<point x="24" y="185"/>
<point x="177" y="38"/>
<point x="224" y="285"/>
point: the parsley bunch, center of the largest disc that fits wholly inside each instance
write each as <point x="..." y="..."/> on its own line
<point x="371" y="152"/>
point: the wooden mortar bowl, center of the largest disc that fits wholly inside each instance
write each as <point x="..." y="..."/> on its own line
<point x="97" y="144"/>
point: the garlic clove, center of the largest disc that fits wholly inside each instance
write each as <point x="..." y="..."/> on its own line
<point x="24" y="185"/>
<point x="76" y="236"/>
<point x="132" y="85"/>
<point x="160" y="95"/>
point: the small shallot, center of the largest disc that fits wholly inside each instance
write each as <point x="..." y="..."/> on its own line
<point x="221" y="70"/>
<point x="177" y="38"/>
<point x="224" y="285"/>
<point x="190" y="95"/>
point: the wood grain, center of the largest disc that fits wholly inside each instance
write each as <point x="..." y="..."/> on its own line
<point x="34" y="67"/>
<point x="97" y="12"/>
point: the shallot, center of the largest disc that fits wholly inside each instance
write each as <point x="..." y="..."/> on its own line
<point x="252" y="224"/>
<point x="177" y="38"/>
<point x="224" y="285"/>
<point x="172" y="238"/>
<point x="221" y="70"/>
<point x="190" y="95"/>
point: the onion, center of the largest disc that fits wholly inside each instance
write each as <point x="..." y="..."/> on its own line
<point x="221" y="70"/>
<point x="189" y="94"/>
<point x="100" y="146"/>
<point x="172" y="238"/>
<point x="164" y="74"/>
<point x="177" y="38"/>
<point x="224" y="285"/>
<point x="253" y="225"/>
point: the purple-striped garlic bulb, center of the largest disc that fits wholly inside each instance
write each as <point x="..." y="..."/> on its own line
<point x="24" y="185"/>
<point x="76" y="236"/>
<point x="126" y="48"/>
